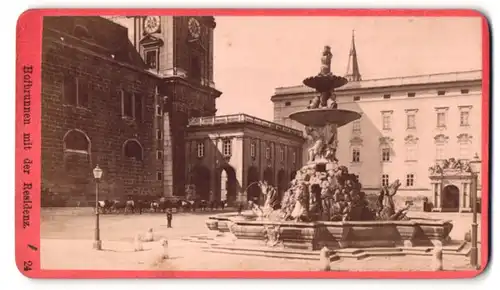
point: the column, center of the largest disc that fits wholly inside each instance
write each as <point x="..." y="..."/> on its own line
<point x="437" y="195"/>
<point x="461" y="205"/>
<point x="434" y="194"/>
<point x="467" y="197"/>
<point x="438" y="192"/>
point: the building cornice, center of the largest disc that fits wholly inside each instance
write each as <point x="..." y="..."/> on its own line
<point x="393" y="84"/>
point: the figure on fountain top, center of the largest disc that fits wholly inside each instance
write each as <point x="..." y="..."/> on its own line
<point x="326" y="61"/>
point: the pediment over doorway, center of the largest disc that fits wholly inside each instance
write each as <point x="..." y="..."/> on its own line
<point x="151" y="41"/>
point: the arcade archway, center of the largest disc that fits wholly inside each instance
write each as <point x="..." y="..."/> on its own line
<point x="227" y="184"/>
<point x="201" y="179"/>
<point x="253" y="190"/>
<point x="268" y="176"/>
<point x="282" y="182"/>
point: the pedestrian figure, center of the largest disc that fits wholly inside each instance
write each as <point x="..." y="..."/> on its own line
<point x="169" y="218"/>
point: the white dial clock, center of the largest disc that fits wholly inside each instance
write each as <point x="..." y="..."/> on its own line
<point x="151" y="24"/>
<point x="194" y="27"/>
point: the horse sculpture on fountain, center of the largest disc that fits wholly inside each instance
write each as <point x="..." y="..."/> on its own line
<point x="386" y="206"/>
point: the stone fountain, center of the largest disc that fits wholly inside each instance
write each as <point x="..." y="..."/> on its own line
<point x="325" y="204"/>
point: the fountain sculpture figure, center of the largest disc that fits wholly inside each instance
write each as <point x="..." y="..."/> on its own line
<point x="322" y="189"/>
<point x="325" y="204"/>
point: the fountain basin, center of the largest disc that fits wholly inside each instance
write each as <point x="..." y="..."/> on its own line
<point x="326" y="82"/>
<point x="221" y="222"/>
<point x="352" y="234"/>
<point x="324" y="116"/>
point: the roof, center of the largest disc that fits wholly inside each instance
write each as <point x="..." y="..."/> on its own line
<point x="97" y="34"/>
<point x="474" y="75"/>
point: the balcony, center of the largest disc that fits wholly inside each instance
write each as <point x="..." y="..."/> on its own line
<point x="241" y="119"/>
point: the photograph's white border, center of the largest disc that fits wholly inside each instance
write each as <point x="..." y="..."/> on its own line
<point x="12" y="279"/>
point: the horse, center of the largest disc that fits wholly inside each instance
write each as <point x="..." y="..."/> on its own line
<point x="385" y="203"/>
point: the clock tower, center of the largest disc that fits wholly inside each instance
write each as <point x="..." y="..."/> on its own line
<point x="179" y="49"/>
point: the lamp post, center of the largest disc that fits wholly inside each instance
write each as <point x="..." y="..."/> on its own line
<point x="475" y="166"/>
<point x="97" y="239"/>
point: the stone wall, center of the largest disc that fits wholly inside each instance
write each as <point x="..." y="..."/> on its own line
<point x="67" y="178"/>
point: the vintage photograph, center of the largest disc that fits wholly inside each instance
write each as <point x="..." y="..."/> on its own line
<point x="260" y="143"/>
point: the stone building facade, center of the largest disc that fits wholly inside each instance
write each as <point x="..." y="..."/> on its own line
<point x="226" y="155"/>
<point x="408" y="124"/>
<point x="98" y="107"/>
<point x="179" y="49"/>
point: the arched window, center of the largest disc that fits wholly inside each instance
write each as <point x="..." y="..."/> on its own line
<point x="76" y="141"/>
<point x="132" y="149"/>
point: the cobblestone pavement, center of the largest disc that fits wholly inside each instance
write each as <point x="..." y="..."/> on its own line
<point x="67" y="244"/>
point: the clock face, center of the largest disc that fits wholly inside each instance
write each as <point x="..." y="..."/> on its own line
<point x="194" y="27"/>
<point x="151" y="24"/>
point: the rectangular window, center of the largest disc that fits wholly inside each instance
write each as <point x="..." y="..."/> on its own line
<point x="288" y="104"/>
<point x="385" y="179"/>
<point x="464" y="150"/>
<point x="158" y="134"/>
<point x="138" y="108"/>
<point x="386" y="154"/>
<point x="70" y="89"/>
<point x="464" y="91"/>
<point x="158" y="110"/>
<point x="386" y="122"/>
<point x="127" y="105"/>
<point x="411" y="152"/>
<point x="83" y="93"/>
<point x="253" y="152"/>
<point x="356" y="155"/>
<point x="226" y="148"/>
<point x="387" y="96"/>
<point x="440" y="152"/>
<point x="441" y="122"/>
<point x="159" y="154"/>
<point x="200" y="149"/>
<point x="464" y="118"/>
<point x="441" y="93"/>
<point x="268" y="153"/>
<point x="151" y="57"/>
<point x="159" y="175"/>
<point x="282" y="154"/>
<point x="356" y="126"/>
<point x="356" y="98"/>
<point x="410" y="121"/>
<point x="410" y="180"/>
<point x="411" y="95"/>
<point x="76" y="92"/>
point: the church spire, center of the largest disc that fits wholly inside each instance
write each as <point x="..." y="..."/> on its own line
<point x="353" y="74"/>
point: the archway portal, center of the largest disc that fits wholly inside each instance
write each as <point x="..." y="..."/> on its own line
<point x="201" y="179"/>
<point x="451" y="198"/>
<point x="227" y="184"/>
<point x="269" y="176"/>
<point x="282" y="182"/>
<point x="253" y="190"/>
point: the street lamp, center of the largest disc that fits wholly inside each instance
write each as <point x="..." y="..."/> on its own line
<point x="97" y="176"/>
<point x="475" y="166"/>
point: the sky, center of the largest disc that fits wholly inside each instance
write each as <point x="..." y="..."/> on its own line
<point x="254" y="55"/>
